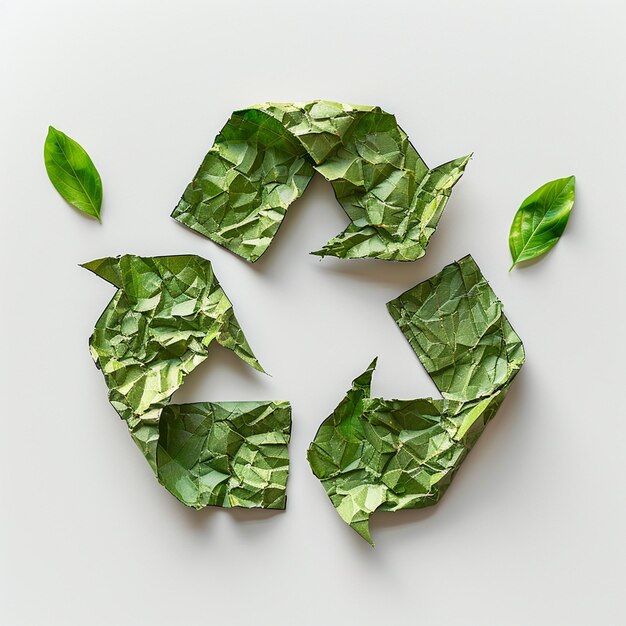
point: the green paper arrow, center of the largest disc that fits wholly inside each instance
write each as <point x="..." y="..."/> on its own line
<point x="375" y="454"/>
<point x="164" y="316"/>
<point x="265" y="156"/>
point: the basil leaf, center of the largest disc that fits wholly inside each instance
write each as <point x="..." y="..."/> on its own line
<point x="73" y="173"/>
<point x="541" y="220"/>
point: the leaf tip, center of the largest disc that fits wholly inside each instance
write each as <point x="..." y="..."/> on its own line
<point x="572" y="180"/>
<point x="52" y="131"/>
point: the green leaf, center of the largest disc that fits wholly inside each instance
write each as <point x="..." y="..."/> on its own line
<point x="376" y="454"/>
<point x="541" y="220"/>
<point x="73" y="173"/>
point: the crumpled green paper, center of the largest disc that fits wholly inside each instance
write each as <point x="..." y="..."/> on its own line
<point x="375" y="454"/>
<point x="158" y="327"/>
<point x="226" y="453"/>
<point x="266" y="154"/>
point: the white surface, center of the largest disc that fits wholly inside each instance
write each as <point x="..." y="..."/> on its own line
<point x="533" y="529"/>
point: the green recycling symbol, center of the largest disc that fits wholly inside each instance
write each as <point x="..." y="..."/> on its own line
<point x="371" y="453"/>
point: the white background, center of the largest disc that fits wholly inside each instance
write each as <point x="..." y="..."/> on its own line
<point x="532" y="531"/>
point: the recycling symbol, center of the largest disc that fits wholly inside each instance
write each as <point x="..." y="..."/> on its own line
<point x="371" y="453"/>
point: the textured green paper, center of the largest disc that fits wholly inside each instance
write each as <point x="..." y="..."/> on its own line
<point x="158" y="327"/>
<point x="376" y="454"/>
<point x="265" y="156"/>
<point x="226" y="454"/>
<point x="72" y="172"/>
<point x="541" y="220"/>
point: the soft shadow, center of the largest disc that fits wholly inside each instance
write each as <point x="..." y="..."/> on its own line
<point x="404" y="274"/>
<point x="226" y="362"/>
<point x="275" y="254"/>
<point x="318" y="197"/>
<point x="510" y="403"/>
<point x="197" y="520"/>
<point x="500" y="423"/>
<point x="494" y="433"/>
<point x="400" y="273"/>
<point x="220" y="360"/>
<point x="522" y="264"/>
<point x="392" y="519"/>
<point x="201" y="519"/>
<point x="245" y="516"/>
